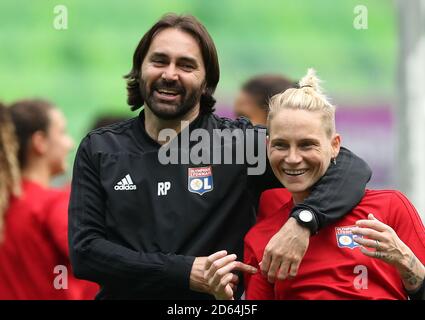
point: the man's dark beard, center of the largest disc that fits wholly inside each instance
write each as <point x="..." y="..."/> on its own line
<point x="188" y="99"/>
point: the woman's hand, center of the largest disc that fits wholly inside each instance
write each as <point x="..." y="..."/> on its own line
<point x="389" y="248"/>
<point x="219" y="274"/>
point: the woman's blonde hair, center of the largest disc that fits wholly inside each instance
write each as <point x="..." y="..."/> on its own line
<point x="9" y="173"/>
<point x="308" y="97"/>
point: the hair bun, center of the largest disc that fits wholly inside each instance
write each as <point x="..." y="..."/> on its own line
<point x="310" y="80"/>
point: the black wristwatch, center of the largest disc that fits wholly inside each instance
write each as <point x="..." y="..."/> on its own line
<point x="306" y="218"/>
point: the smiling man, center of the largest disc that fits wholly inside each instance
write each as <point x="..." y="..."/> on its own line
<point x="171" y="94"/>
<point x="142" y="229"/>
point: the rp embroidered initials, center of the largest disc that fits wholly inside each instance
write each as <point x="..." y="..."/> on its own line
<point x="163" y="188"/>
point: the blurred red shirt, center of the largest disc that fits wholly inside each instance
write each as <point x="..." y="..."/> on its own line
<point x="333" y="266"/>
<point x="35" y="243"/>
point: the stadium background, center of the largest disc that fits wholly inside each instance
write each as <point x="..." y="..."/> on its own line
<point x="81" y="68"/>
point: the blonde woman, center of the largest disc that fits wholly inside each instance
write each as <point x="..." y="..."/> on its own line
<point x="376" y="251"/>
<point x="9" y="173"/>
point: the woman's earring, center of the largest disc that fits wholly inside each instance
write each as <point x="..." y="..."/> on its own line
<point x="334" y="161"/>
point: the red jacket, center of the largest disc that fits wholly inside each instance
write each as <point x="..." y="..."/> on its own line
<point x="35" y="242"/>
<point x="333" y="266"/>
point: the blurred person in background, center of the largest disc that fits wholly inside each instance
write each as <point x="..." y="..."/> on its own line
<point x="376" y="251"/>
<point x="252" y="100"/>
<point x="34" y="145"/>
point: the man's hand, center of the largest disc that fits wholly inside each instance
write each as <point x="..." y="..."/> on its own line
<point x="197" y="281"/>
<point x="220" y="277"/>
<point x="285" y="250"/>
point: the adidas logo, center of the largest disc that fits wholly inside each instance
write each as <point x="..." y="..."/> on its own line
<point x="125" y="184"/>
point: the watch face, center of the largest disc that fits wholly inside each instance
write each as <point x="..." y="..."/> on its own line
<point x="306" y="216"/>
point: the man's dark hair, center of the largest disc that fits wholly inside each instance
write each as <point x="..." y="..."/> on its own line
<point x="192" y="26"/>
<point x="29" y="116"/>
<point x="263" y="87"/>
